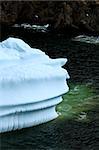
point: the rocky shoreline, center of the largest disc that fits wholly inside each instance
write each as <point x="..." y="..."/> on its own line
<point x="61" y="16"/>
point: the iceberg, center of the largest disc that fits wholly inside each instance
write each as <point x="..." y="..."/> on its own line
<point x="31" y="85"/>
<point x="38" y="28"/>
<point x="87" y="39"/>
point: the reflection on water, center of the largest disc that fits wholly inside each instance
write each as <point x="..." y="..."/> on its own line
<point x="77" y="127"/>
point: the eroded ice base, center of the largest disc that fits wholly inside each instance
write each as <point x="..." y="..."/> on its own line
<point x="27" y="115"/>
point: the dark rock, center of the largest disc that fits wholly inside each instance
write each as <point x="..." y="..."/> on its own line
<point x="79" y="15"/>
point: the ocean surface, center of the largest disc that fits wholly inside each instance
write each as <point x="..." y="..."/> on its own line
<point x="77" y="127"/>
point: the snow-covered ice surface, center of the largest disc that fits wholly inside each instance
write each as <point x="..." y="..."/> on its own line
<point x="31" y="84"/>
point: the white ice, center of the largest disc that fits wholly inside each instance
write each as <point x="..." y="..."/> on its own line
<point x="28" y="79"/>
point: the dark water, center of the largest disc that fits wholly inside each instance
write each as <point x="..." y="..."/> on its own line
<point x="77" y="128"/>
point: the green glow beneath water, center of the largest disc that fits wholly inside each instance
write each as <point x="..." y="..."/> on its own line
<point x="77" y="102"/>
